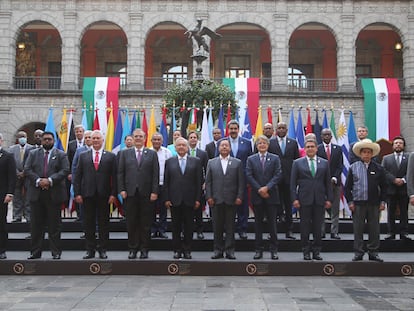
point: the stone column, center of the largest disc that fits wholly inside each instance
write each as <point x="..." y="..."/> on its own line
<point x="7" y="51"/>
<point x="346" y="55"/>
<point x="408" y="56"/>
<point x="280" y="52"/>
<point x="136" y="53"/>
<point x="70" y="53"/>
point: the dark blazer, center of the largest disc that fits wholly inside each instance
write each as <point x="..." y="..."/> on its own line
<point x="336" y="163"/>
<point x="211" y="150"/>
<point x="393" y="170"/>
<point x="72" y="146"/>
<point x="58" y="170"/>
<point x="7" y="173"/>
<point x="15" y="150"/>
<point x="286" y="160"/>
<point x="183" y="188"/>
<point x="410" y="175"/>
<point x="90" y="182"/>
<point x="225" y="188"/>
<point x="307" y="189"/>
<point x="258" y="177"/>
<point x="202" y="155"/>
<point x="144" y="178"/>
<point x="75" y="161"/>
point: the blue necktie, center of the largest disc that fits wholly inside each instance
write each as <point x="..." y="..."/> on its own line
<point x="182" y="165"/>
<point x="283" y="146"/>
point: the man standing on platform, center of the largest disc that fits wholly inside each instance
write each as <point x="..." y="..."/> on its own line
<point x="224" y="192"/>
<point x="268" y="130"/>
<point x="46" y="170"/>
<point x="311" y="191"/>
<point x="211" y="147"/>
<point x="287" y="150"/>
<point x="395" y="165"/>
<point x="183" y="179"/>
<point x="410" y="178"/>
<point x="263" y="174"/>
<point x="138" y="182"/>
<point x="7" y="187"/>
<point x="332" y="153"/>
<point x="362" y="133"/>
<point x="37" y="135"/>
<point x="95" y="188"/>
<point x="365" y="191"/>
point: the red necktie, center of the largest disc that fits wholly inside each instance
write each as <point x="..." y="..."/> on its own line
<point x="96" y="162"/>
<point x="328" y="152"/>
<point x="45" y="163"/>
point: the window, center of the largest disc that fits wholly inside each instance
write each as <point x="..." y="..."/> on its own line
<point x="363" y="71"/>
<point x="299" y="75"/>
<point x="117" y="70"/>
<point x="174" y="73"/>
<point x="237" y="66"/>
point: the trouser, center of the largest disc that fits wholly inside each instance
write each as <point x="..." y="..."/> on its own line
<point x="401" y="201"/>
<point x="311" y="219"/>
<point x="223" y="222"/>
<point x="96" y="209"/>
<point x="270" y="211"/>
<point x="138" y="222"/>
<point x="182" y="221"/>
<point x="370" y="213"/>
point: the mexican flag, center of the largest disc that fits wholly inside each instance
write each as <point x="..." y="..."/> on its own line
<point x="99" y="93"/>
<point x="247" y="92"/>
<point x="382" y="108"/>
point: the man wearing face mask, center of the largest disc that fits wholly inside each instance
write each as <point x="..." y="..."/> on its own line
<point x="20" y="151"/>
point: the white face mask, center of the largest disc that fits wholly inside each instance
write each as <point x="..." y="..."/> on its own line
<point x="22" y="141"/>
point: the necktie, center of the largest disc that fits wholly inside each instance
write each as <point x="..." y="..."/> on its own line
<point x="312" y="167"/>
<point x="328" y="152"/>
<point x="45" y="163"/>
<point x="21" y="154"/>
<point x="182" y="165"/>
<point x="139" y="156"/>
<point x="398" y="159"/>
<point x="283" y="145"/>
<point x="262" y="160"/>
<point x="234" y="147"/>
<point x="96" y="161"/>
<point x="193" y="152"/>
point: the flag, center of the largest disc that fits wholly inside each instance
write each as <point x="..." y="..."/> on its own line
<point x="247" y="130"/>
<point x="192" y="120"/>
<point x="325" y="120"/>
<point x="63" y="132"/>
<point x="50" y="125"/>
<point x="228" y="119"/>
<point x="184" y="120"/>
<point x="71" y="130"/>
<point x="317" y="128"/>
<point x="152" y="129"/>
<point x="309" y="129"/>
<point x="163" y="127"/>
<point x="246" y="91"/>
<point x="100" y="93"/>
<point x="352" y="136"/>
<point x="291" y="129"/>
<point x="270" y="115"/>
<point x="109" y="139"/>
<point x="144" y="125"/>
<point x="118" y="134"/>
<point x="205" y="137"/>
<point x="220" y="124"/>
<point x="259" y="123"/>
<point x="382" y="108"/>
<point x="300" y="135"/>
<point x="125" y="129"/>
<point x="133" y="122"/>
<point x="173" y="126"/>
<point x="333" y="127"/>
<point x="85" y="119"/>
<point x="210" y="123"/>
<point x="344" y="144"/>
<point x="279" y="115"/>
<point x="96" y="125"/>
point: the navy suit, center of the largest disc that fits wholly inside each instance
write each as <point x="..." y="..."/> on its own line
<point x="312" y="193"/>
<point x="269" y="174"/>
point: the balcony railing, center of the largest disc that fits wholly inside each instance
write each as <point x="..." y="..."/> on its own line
<point x="37" y="83"/>
<point x="312" y="85"/>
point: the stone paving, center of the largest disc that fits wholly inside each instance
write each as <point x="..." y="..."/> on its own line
<point x="182" y="293"/>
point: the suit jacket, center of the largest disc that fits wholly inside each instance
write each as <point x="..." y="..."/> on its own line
<point x="15" y="151"/>
<point x="72" y="146"/>
<point x="269" y="176"/>
<point x="183" y="188"/>
<point x="307" y="189"/>
<point x="286" y="159"/>
<point x="336" y="163"/>
<point x="243" y="152"/>
<point x="7" y="173"/>
<point x="410" y="175"/>
<point x="202" y="155"/>
<point x="58" y="170"/>
<point x="211" y="150"/>
<point x="75" y="161"/>
<point x="89" y="181"/>
<point x="143" y="178"/>
<point x="225" y="188"/>
<point x="393" y="170"/>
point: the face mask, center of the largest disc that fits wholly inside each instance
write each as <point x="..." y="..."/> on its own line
<point x="22" y="141"/>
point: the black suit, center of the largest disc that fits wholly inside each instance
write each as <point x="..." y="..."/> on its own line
<point x="211" y="149"/>
<point x="95" y="187"/>
<point x="182" y="190"/>
<point x="139" y="181"/>
<point x="286" y="159"/>
<point x="46" y="204"/>
<point x="7" y="185"/>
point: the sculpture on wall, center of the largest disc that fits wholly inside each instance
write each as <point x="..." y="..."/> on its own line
<point x="199" y="33"/>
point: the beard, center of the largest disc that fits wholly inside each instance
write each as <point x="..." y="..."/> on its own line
<point x="47" y="146"/>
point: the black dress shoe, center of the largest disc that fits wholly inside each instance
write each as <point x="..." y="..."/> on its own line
<point x="404" y="236"/>
<point x="3" y="255"/>
<point x="163" y="235"/>
<point x="217" y="255"/>
<point x="83" y="236"/>
<point x="230" y="256"/>
<point x="375" y="257"/>
<point x="358" y="257"/>
<point x="33" y="256"/>
<point x="258" y="255"/>
<point x="102" y="255"/>
<point x="243" y="235"/>
<point x="306" y="256"/>
<point x="177" y="255"/>
<point x="317" y="257"/>
<point x="187" y="255"/>
<point x="390" y="237"/>
<point x="289" y="235"/>
<point x="56" y="256"/>
<point x="17" y="220"/>
<point x="132" y="255"/>
<point x="335" y="236"/>
<point x="154" y="235"/>
<point x="89" y="255"/>
<point x="144" y="255"/>
<point x="200" y="236"/>
<point x="274" y="256"/>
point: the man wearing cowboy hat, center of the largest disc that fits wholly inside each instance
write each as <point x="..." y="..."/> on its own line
<point x="366" y="194"/>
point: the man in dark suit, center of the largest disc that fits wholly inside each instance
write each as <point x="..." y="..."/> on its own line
<point x="20" y="151"/>
<point x="182" y="186"/>
<point x="138" y="182"/>
<point x="362" y="133"/>
<point x="332" y="153"/>
<point x="311" y="191"/>
<point x="410" y="178"/>
<point x="263" y="174"/>
<point x="194" y="151"/>
<point x="395" y="165"/>
<point x="211" y="147"/>
<point x="7" y="187"/>
<point x="95" y="188"/>
<point x="287" y="150"/>
<point x="46" y="169"/>
<point x="224" y="192"/>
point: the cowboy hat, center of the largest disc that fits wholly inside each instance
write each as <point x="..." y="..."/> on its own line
<point x="366" y="144"/>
